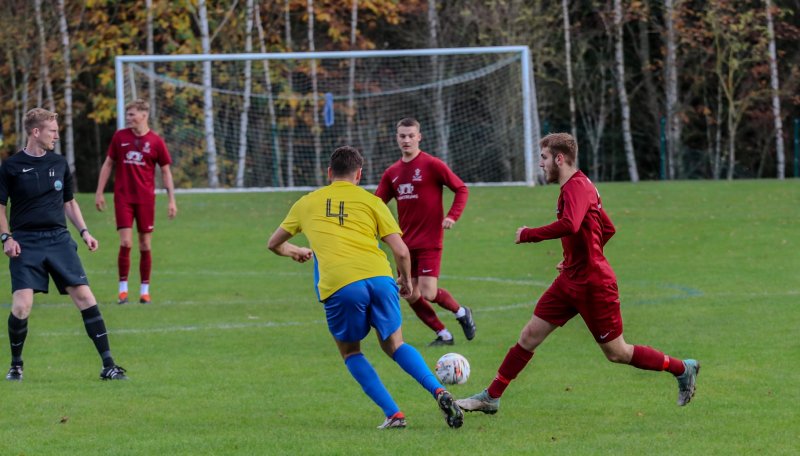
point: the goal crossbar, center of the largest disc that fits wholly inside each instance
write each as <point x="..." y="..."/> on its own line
<point x="523" y="53"/>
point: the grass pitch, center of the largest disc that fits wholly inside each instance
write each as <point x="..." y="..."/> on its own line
<point x="234" y="357"/>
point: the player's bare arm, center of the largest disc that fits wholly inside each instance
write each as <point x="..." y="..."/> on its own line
<point x="448" y="223"/>
<point x="166" y="177"/>
<point x="102" y="180"/>
<point x="11" y="248"/>
<point x="279" y="245"/>
<point x="73" y="213"/>
<point x="518" y="239"/>
<point x="402" y="258"/>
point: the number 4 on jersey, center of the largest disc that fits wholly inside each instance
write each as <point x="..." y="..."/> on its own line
<point x="340" y="214"/>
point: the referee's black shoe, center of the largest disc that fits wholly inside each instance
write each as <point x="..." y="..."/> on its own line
<point x="14" y="374"/>
<point x="113" y="373"/>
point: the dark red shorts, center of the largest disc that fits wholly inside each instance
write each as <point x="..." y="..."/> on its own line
<point x="425" y="262"/>
<point x="597" y="304"/>
<point x="144" y="213"/>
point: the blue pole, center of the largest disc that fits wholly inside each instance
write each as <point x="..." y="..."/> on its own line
<point x="797" y="147"/>
<point x="662" y="171"/>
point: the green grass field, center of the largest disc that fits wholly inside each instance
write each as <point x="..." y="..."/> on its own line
<point x="234" y="357"/>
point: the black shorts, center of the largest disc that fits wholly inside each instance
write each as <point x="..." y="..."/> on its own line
<point x="46" y="254"/>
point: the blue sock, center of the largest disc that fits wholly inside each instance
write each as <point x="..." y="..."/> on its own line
<point x="366" y="376"/>
<point x="411" y="361"/>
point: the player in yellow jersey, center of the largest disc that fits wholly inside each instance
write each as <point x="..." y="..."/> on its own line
<point x="354" y="280"/>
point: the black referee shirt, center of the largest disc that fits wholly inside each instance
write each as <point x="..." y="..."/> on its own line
<point x="38" y="187"/>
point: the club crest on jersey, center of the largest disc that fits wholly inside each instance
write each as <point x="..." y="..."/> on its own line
<point x="417" y="175"/>
<point x="406" y="191"/>
<point x="58" y="185"/>
<point x="146" y="148"/>
<point x="134" y="158"/>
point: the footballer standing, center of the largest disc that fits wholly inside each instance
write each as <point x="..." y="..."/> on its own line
<point x="134" y="153"/>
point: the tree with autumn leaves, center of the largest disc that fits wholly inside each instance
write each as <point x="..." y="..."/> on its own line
<point x="707" y="78"/>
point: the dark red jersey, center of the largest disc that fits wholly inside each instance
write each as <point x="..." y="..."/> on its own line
<point x="417" y="187"/>
<point x="584" y="228"/>
<point x="135" y="159"/>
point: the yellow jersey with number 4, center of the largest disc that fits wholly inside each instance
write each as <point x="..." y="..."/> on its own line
<point x="343" y="224"/>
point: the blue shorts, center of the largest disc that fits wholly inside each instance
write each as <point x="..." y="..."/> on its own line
<point x="355" y="307"/>
<point x="46" y="254"/>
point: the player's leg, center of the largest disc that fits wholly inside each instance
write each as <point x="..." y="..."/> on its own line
<point x="554" y="309"/>
<point x="124" y="262"/>
<point x="68" y="274"/>
<point x="366" y="376"/>
<point x="123" y="213"/>
<point x="21" y="303"/>
<point x="423" y="309"/>
<point x="145" y="266"/>
<point x="28" y="275"/>
<point x="648" y="358"/>
<point x="425" y="312"/>
<point x="423" y="286"/>
<point x="410" y="360"/>
<point x="385" y="317"/>
<point x="145" y="222"/>
<point x="429" y="288"/>
<point x="604" y="319"/>
<point x="346" y="312"/>
<point x="95" y="327"/>
<point x="532" y="335"/>
<point x="430" y="264"/>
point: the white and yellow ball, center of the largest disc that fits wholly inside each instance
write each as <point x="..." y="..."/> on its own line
<point x="452" y="369"/>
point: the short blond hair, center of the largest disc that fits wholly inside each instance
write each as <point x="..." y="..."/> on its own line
<point x="139" y="105"/>
<point x="36" y="117"/>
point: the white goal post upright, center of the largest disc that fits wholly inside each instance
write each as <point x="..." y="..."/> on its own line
<point x="379" y="84"/>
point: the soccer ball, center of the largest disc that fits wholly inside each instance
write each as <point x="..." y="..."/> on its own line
<point x="452" y="369"/>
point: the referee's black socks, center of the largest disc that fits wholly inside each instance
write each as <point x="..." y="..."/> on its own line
<point x="96" y="329"/>
<point x="17" y="332"/>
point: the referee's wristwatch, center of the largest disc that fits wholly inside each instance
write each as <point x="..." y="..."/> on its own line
<point x="4" y="237"/>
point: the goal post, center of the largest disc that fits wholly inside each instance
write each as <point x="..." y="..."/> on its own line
<point x="476" y="107"/>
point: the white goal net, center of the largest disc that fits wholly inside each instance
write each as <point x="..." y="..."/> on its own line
<point x="277" y="127"/>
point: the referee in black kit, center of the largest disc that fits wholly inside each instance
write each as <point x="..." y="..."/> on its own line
<point x="39" y="185"/>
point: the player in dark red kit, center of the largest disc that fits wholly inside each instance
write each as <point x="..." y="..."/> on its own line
<point x="585" y="285"/>
<point x="136" y="151"/>
<point x="416" y="181"/>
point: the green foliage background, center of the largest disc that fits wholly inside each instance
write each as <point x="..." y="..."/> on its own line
<point x="721" y="52"/>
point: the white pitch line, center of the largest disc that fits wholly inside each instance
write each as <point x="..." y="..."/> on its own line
<point x="189" y="302"/>
<point x="273" y="324"/>
<point x="265" y="273"/>
<point x="190" y="328"/>
<point x="253" y="325"/>
<point x="212" y="273"/>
